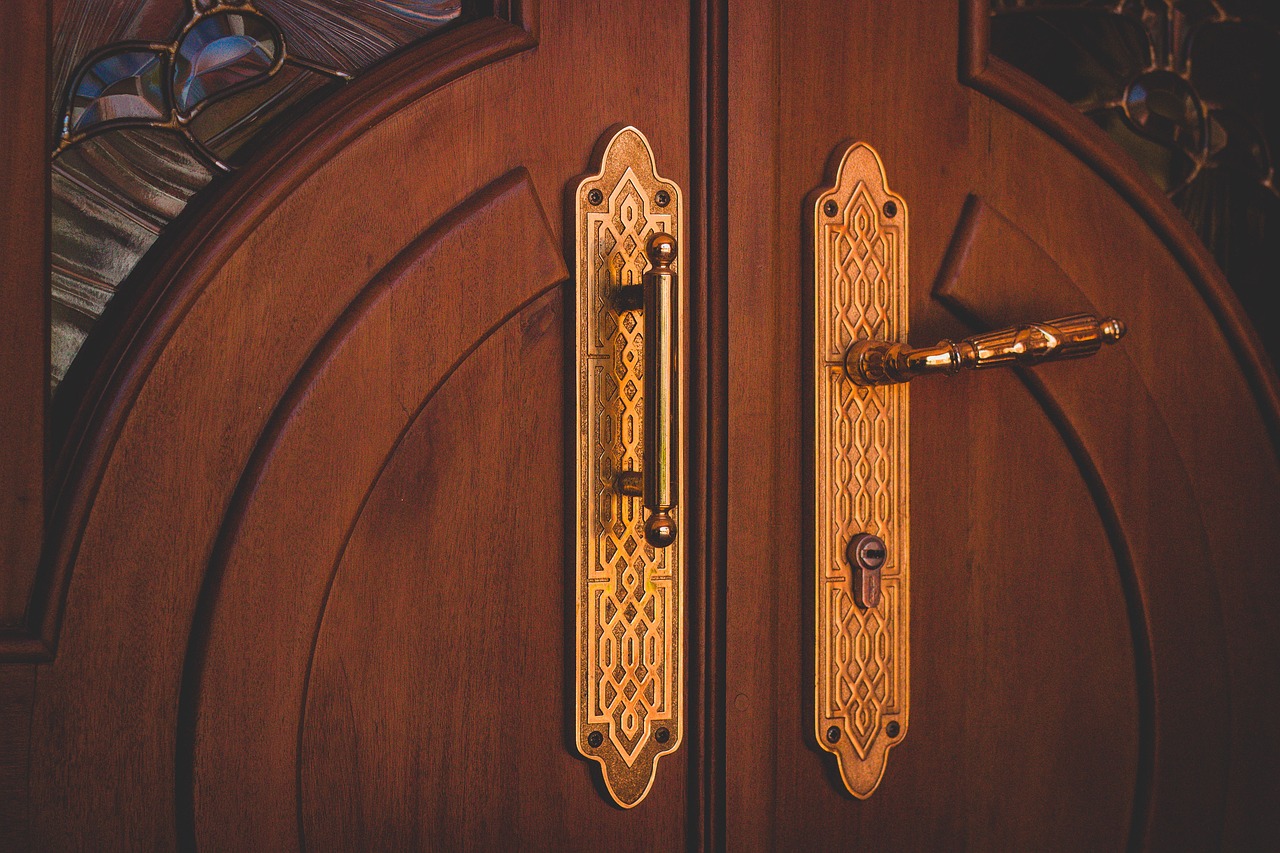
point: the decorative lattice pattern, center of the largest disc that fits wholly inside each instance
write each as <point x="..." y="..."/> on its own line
<point x="861" y="470"/>
<point x="630" y="668"/>
<point x="630" y="590"/>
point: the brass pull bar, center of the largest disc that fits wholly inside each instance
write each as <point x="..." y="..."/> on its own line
<point x="629" y="615"/>
<point x="871" y="362"/>
<point x="661" y="465"/>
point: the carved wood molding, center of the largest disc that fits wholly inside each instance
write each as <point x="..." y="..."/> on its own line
<point x="270" y="521"/>
<point x="118" y="356"/>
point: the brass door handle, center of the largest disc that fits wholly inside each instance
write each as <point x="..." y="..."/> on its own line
<point x="860" y="441"/>
<point x="661" y="465"/>
<point x="871" y="362"/>
<point x="657" y="481"/>
<point x="629" y="674"/>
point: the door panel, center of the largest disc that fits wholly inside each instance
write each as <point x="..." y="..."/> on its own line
<point x="313" y="537"/>
<point x="293" y="344"/>
<point x="1086" y="605"/>
<point x="309" y="482"/>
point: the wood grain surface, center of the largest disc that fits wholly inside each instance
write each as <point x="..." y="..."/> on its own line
<point x="1092" y="661"/>
<point x="180" y="414"/>
<point x="24" y="282"/>
<point x="306" y="579"/>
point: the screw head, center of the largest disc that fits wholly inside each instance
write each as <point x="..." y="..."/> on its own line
<point x="892" y="729"/>
<point x="595" y="196"/>
<point x="595" y="739"/>
<point x="831" y="208"/>
<point x="891" y="208"/>
<point x="662" y="735"/>
<point x="833" y="734"/>
<point x="663" y="198"/>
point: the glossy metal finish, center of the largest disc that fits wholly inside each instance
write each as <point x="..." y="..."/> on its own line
<point x="661" y="454"/>
<point x="870" y="362"/>
<point x="861" y="505"/>
<point x="860" y="474"/>
<point x="630" y="573"/>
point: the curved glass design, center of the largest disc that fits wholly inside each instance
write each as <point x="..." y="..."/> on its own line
<point x="154" y="98"/>
<point x="122" y="87"/>
<point x="221" y="53"/>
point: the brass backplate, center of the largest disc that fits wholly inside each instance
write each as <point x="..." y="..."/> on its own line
<point x="860" y="470"/>
<point x="630" y="595"/>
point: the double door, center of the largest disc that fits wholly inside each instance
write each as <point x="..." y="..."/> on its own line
<point x="319" y="563"/>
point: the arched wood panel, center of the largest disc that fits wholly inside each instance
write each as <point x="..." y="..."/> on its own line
<point x="311" y="474"/>
<point x="1184" y="356"/>
<point x="238" y="317"/>
<point x="1179" y="738"/>
<point x="435" y="711"/>
<point x="105" y="378"/>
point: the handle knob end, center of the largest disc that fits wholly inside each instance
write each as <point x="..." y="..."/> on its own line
<point x="1112" y="329"/>
<point x="660" y="529"/>
<point x="661" y="250"/>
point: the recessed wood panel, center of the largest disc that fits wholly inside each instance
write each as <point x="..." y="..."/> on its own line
<point x="234" y="315"/>
<point x="435" y="715"/>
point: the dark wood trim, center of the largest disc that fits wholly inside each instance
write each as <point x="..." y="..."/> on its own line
<point x="17" y="693"/>
<point x="24" y="342"/>
<point x="1026" y="96"/>
<point x="709" y="150"/>
<point x="153" y="300"/>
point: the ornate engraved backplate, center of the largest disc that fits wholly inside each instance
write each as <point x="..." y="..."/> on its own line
<point x="860" y="470"/>
<point x="630" y="598"/>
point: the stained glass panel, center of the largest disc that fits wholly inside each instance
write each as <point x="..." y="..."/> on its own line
<point x="153" y="99"/>
<point x="121" y="87"/>
<point x="221" y="53"/>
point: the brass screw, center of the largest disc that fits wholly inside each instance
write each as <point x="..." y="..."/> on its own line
<point x="663" y="198"/>
<point x="893" y="728"/>
<point x="833" y="734"/>
<point x="662" y="735"/>
<point x="891" y="208"/>
<point x="595" y="739"/>
<point x="831" y="208"/>
<point x="595" y="196"/>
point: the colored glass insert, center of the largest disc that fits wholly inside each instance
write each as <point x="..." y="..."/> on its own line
<point x="180" y="91"/>
<point x="118" y="88"/>
<point x="221" y="53"/>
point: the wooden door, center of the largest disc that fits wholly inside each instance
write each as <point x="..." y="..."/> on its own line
<point x="308" y="570"/>
<point x="1094" y="638"/>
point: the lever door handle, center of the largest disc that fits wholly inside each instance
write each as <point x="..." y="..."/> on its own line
<point x="859" y="438"/>
<point x="871" y="362"/>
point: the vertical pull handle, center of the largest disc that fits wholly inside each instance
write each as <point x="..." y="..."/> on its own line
<point x="661" y="465"/>
<point x="629" y="675"/>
